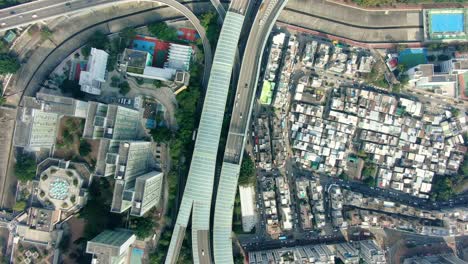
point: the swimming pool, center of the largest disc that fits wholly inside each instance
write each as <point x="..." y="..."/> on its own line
<point x="137" y="256"/>
<point x="447" y="22"/>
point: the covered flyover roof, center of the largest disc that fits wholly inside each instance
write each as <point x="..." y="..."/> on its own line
<point x="199" y="189"/>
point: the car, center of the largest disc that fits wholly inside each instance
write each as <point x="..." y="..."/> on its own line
<point x="34" y="16"/>
<point x="12" y="12"/>
<point x="3" y="24"/>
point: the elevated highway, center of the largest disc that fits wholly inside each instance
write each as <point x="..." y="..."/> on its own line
<point x="244" y="99"/>
<point x="197" y="197"/>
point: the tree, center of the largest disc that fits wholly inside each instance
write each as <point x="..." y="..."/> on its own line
<point x="210" y="22"/>
<point x="98" y="40"/>
<point x="115" y="81"/>
<point x="97" y="210"/>
<point x="19" y="205"/>
<point x="247" y="171"/>
<point x="455" y="111"/>
<point x="25" y="167"/>
<point x="442" y="188"/>
<point x="157" y="83"/>
<point x="163" y="31"/>
<point x="431" y="58"/>
<point x="370" y="181"/>
<point x="127" y="36"/>
<point x="161" y="134"/>
<point x="85" y="148"/>
<point x="72" y="87"/>
<point x="8" y="63"/>
<point x="46" y="33"/>
<point x="142" y="226"/>
<point x="124" y="87"/>
<point x="443" y="57"/>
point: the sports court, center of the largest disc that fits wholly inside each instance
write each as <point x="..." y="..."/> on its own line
<point x="412" y="57"/>
<point x="157" y="48"/>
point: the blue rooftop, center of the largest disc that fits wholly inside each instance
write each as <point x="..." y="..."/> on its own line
<point x="143" y="45"/>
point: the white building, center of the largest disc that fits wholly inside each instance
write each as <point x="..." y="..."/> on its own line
<point x="95" y="74"/>
<point x="179" y="57"/>
<point x="249" y="216"/>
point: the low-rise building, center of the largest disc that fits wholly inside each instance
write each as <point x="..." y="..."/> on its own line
<point x="348" y="253"/>
<point x="111" y="247"/>
<point x="371" y="252"/>
<point x="95" y="74"/>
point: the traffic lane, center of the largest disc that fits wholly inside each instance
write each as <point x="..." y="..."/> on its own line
<point x="239" y="6"/>
<point x="29" y="17"/>
<point x="34" y="5"/>
<point x="275" y="244"/>
<point x="247" y="81"/>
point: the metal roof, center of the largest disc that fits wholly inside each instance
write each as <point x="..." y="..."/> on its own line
<point x="199" y="189"/>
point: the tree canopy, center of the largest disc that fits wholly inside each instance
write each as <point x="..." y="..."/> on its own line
<point x="247" y="171"/>
<point x="210" y="22"/>
<point x="162" y="31"/>
<point x="142" y="226"/>
<point x="8" y="63"/>
<point x="85" y="148"/>
<point x="25" y="167"/>
<point x="161" y="134"/>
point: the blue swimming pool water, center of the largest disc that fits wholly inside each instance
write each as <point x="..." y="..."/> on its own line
<point x="142" y="45"/>
<point x="447" y="23"/>
<point x="137" y="256"/>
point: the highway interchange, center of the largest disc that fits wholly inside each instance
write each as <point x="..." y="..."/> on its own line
<point x="248" y="78"/>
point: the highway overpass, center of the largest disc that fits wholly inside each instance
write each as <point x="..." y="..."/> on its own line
<point x="197" y="197"/>
<point x="244" y="99"/>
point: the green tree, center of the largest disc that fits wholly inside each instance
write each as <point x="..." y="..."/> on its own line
<point x="97" y="210"/>
<point x="370" y="181"/>
<point x="115" y="81"/>
<point x="98" y="40"/>
<point x="20" y="206"/>
<point x="85" y="148"/>
<point x="431" y="58"/>
<point x="8" y="63"/>
<point x="142" y="226"/>
<point x="72" y="87"/>
<point x="162" y="31"/>
<point x="443" y="57"/>
<point x="247" y="171"/>
<point x="210" y="22"/>
<point x="455" y="111"/>
<point x="25" y="167"/>
<point x="124" y="87"/>
<point x="46" y="33"/>
<point x="442" y="188"/>
<point x="161" y="134"/>
<point x="157" y="83"/>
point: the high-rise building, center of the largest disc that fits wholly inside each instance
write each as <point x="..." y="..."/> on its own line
<point x="137" y="185"/>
